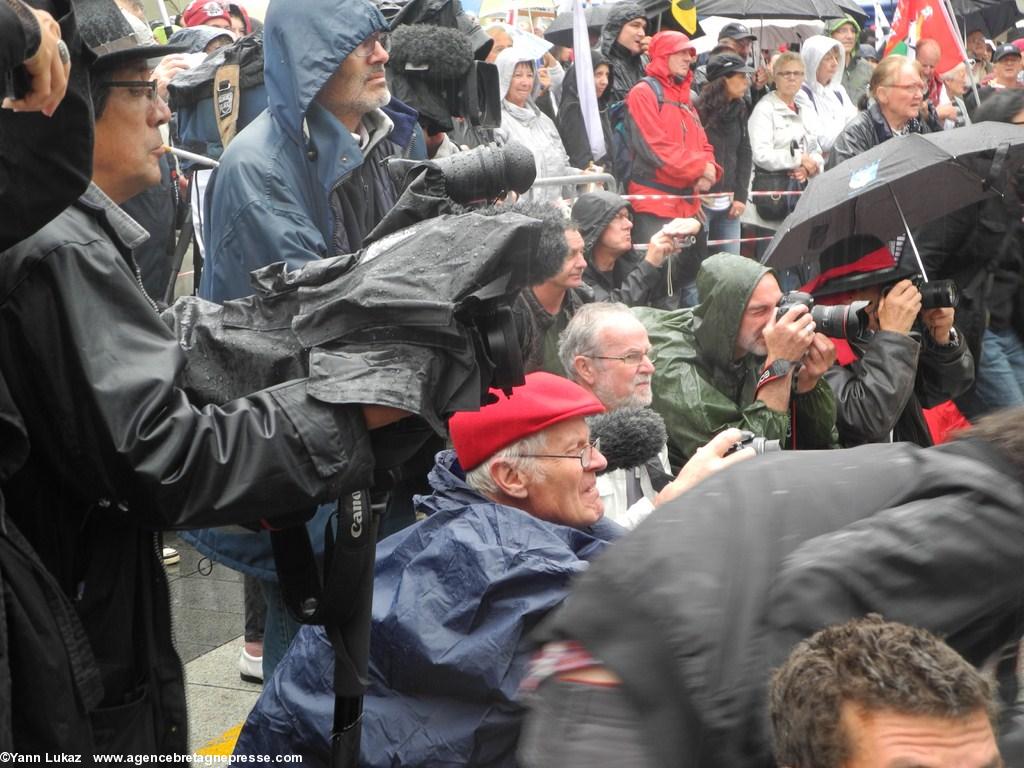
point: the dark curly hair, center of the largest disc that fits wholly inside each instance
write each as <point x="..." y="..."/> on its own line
<point x="877" y="665"/>
<point x="715" y="106"/>
<point x="552" y="248"/>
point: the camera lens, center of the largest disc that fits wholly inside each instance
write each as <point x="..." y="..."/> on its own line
<point x="939" y="293"/>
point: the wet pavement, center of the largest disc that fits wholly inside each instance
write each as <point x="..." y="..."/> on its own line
<point x="206" y="603"/>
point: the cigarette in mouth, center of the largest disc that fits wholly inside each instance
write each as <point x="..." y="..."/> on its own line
<point x="201" y="159"/>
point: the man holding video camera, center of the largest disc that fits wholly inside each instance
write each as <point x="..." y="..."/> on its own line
<point x="912" y="356"/>
<point x="117" y="450"/>
<point x="736" y="360"/>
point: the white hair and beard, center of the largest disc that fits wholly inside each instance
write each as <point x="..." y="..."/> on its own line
<point x="637" y="398"/>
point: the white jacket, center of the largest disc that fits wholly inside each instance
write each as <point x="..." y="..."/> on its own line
<point x="826" y="108"/>
<point x="779" y="136"/>
<point x="611" y="486"/>
<point x="531" y="128"/>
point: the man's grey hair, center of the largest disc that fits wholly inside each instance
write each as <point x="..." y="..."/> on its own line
<point x="479" y="478"/>
<point x="581" y="335"/>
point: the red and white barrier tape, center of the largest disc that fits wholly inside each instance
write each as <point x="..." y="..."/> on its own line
<point x="770" y="193"/>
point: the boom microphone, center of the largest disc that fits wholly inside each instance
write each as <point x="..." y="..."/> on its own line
<point x="630" y="437"/>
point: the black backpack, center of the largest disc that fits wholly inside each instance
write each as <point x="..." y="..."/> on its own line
<point x="624" y="129"/>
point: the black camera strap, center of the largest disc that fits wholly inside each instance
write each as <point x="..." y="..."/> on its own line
<point x="341" y="602"/>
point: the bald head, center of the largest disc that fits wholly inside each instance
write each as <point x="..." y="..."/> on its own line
<point x="928" y="55"/>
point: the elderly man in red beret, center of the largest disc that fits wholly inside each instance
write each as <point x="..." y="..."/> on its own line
<point x="514" y="515"/>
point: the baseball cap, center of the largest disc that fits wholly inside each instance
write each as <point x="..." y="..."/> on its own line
<point x="201" y="11"/>
<point x="725" y="64"/>
<point x="1004" y="50"/>
<point x="116" y="37"/>
<point x="736" y="31"/>
<point x="543" y="401"/>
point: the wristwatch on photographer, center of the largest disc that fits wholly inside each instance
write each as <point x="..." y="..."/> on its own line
<point x="776" y="370"/>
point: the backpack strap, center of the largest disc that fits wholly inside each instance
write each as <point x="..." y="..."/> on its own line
<point x="226" y="98"/>
<point x="810" y="95"/>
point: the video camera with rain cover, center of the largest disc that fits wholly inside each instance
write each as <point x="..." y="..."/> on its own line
<point x="436" y="65"/>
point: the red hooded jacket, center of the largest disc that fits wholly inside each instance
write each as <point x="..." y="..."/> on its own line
<point x="675" y="150"/>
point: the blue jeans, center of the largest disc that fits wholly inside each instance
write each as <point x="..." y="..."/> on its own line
<point x="999" y="377"/>
<point x="721" y="227"/>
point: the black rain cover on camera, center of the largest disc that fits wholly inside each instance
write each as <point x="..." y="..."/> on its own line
<point x="392" y="325"/>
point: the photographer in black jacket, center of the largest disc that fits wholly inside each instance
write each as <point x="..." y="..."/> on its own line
<point x="912" y="356"/>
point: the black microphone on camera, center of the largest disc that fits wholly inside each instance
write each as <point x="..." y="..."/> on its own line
<point x="630" y="437"/>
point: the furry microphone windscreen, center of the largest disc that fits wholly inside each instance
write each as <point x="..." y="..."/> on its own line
<point x="630" y="437"/>
<point x="429" y="50"/>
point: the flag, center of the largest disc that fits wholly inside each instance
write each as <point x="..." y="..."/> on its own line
<point x="882" y="25"/>
<point x="584" y="67"/>
<point x="685" y="14"/>
<point x="916" y="20"/>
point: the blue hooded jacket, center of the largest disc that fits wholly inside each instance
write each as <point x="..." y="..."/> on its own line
<point x="270" y="199"/>
<point x="454" y="597"/>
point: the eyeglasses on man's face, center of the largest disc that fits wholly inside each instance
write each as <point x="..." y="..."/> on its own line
<point x="586" y="457"/>
<point x="138" y="89"/>
<point x="631" y="359"/>
<point x="790" y="73"/>
<point x="369" y="45"/>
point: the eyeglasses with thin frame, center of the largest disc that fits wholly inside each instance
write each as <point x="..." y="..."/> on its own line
<point x="369" y="45"/>
<point x="632" y="359"/>
<point x="909" y="87"/>
<point x="136" y="88"/>
<point x="791" y="73"/>
<point x="585" y="457"/>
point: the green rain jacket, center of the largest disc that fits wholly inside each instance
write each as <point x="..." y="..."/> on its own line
<point x="699" y="390"/>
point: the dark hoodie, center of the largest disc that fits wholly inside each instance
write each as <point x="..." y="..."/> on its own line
<point x="633" y="280"/>
<point x="627" y="67"/>
<point x="700" y="390"/>
<point x="571" y="127"/>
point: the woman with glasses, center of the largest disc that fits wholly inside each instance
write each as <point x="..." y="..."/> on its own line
<point x="523" y="121"/>
<point x="822" y="98"/>
<point x="897" y="91"/>
<point x="783" y="142"/>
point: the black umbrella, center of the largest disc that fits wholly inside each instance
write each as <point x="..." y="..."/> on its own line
<point x="774" y="9"/>
<point x="900" y="184"/>
<point x="992" y="17"/>
<point x="560" y="31"/>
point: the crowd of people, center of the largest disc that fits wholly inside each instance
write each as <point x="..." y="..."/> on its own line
<point x="653" y="550"/>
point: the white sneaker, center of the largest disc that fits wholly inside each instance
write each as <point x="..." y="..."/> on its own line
<point x="171" y="556"/>
<point x="250" y="667"/>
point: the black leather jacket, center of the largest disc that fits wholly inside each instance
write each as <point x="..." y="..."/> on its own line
<point x="118" y="451"/>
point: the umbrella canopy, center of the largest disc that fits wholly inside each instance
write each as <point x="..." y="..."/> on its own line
<point x="903" y="183"/>
<point x="560" y="30"/>
<point x="773" y="9"/>
<point x="992" y="17"/>
<point x="770" y="35"/>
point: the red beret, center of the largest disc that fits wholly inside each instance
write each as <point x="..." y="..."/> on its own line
<point x="544" y="400"/>
<point x="199" y="12"/>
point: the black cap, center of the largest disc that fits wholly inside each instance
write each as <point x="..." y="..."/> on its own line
<point x="736" y="31"/>
<point x="115" y="36"/>
<point x="725" y="64"/>
<point x="1004" y="50"/>
<point x="868" y="52"/>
